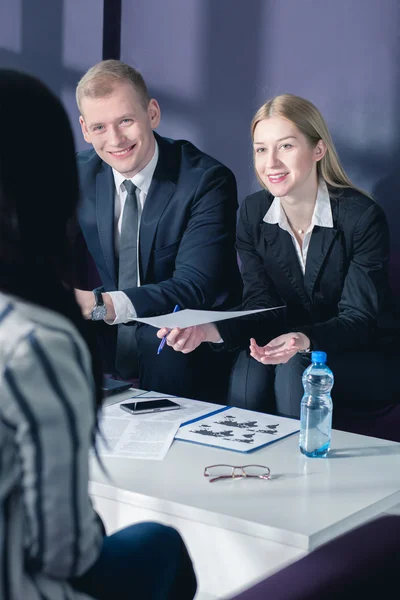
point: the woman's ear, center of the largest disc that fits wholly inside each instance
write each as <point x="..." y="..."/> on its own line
<point x="319" y="150"/>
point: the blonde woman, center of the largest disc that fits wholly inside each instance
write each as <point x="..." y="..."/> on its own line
<point x="313" y="242"/>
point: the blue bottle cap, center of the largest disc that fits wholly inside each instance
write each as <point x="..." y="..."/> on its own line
<point x="318" y="356"/>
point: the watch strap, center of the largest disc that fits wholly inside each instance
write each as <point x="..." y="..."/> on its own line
<point x="98" y="297"/>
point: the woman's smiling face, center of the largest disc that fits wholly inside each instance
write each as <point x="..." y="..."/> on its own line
<point x="283" y="158"/>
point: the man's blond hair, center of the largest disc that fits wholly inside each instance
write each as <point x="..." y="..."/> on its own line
<point x="101" y="79"/>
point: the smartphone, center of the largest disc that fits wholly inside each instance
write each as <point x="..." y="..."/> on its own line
<point x="150" y="406"/>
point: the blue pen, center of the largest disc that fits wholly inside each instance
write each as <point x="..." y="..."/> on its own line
<point x="162" y="343"/>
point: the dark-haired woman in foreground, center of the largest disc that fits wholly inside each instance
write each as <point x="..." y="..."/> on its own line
<point x="52" y="545"/>
<point x="314" y="243"/>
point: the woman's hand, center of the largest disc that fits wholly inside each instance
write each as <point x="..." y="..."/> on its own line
<point x="279" y="350"/>
<point x="188" y="339"/>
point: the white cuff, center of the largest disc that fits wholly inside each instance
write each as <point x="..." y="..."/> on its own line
<point x="124" y="309"/>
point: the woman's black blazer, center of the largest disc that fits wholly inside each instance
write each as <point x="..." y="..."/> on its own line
<point x="338" y="301"/>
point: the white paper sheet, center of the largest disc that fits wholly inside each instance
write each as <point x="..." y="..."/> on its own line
<point x="135" y="437"/>
<point x="148" y="436"/>
<point x="190" y="409"/>
<point x="189" y="317"/>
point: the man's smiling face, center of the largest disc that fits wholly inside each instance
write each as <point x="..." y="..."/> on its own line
<point x="120" y="128"/>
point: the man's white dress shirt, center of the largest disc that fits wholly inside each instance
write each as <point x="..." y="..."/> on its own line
<point x="124" y="309"/>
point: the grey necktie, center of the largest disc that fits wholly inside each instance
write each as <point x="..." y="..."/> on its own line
<point x="126" y="362"/>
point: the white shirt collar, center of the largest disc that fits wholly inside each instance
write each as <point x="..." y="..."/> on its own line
<point x="322" y="215"/>
<point x="142" y="180"/>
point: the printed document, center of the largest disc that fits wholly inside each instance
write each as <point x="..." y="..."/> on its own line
<point x="237" y="429"/>
<point x="147" y="436"/>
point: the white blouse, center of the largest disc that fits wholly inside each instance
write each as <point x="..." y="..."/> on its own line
<point x="322" y="216"/>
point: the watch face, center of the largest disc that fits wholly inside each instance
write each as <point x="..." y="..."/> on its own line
<point x="99" y="313"/>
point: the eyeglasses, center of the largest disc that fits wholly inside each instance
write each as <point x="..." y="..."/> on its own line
<point x="215" y="472"/>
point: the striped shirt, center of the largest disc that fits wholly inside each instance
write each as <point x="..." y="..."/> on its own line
<point x="49" y="530"/>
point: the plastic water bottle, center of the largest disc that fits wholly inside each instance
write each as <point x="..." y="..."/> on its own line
<point x="316" y="408"/>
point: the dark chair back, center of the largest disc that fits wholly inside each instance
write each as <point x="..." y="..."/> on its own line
<point x="383" y="423"/>
<point x="363" y="563"/>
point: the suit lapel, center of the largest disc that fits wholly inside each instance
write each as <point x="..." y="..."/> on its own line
<point x="105" y="191"/>
<point x="320" y="243"/>
<point x="281" y="246"/>
<point x="161" y="190"/>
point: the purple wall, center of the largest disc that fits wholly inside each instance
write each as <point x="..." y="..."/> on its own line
<point x="55" y="40"/>
<point x="211" y="63"/>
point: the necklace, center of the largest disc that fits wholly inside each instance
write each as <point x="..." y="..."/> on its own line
<point x="300" y="231"/>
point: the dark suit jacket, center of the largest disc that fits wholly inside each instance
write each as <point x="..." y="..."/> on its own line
<point x="339" y="300"/>
<point x="186" y="253"/>
<point x="187" y="230"/>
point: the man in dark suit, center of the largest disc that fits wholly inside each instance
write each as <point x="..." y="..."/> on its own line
<point x="158" y="218"/>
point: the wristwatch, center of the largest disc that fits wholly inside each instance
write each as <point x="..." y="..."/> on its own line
<point x="306" y="350"/>
<point x="99" y="310"/>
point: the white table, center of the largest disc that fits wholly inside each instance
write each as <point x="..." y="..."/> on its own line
<point x="238" y="532"/>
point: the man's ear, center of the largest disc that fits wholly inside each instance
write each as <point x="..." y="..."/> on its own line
<point x="154" y="112"/>
<point x="319" y="150"/>
<point x="85" y="131"/>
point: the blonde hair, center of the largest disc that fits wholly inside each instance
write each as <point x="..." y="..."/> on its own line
<point x="101" y="79"/>
<point x="307" y="118"/>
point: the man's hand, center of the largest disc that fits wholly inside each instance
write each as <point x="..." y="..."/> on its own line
<point x="86" y="301"/>
<point x="279" y="350"/>
<point x="188" y="339"/>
